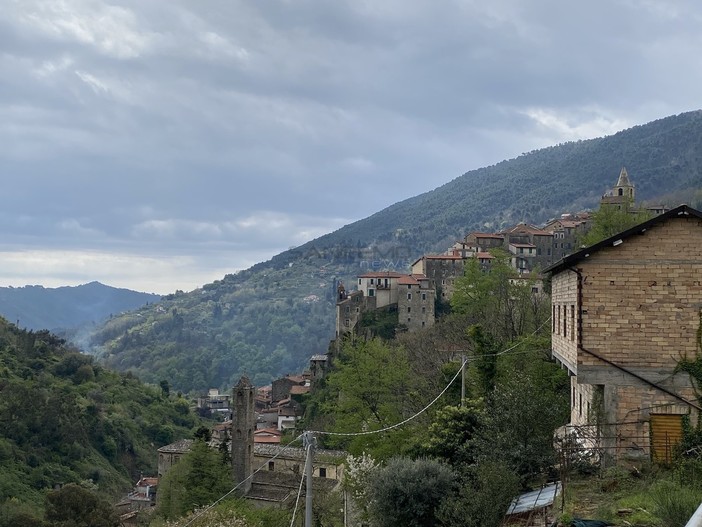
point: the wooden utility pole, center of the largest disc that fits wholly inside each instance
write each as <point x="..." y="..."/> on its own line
<point x="308" y="443"/>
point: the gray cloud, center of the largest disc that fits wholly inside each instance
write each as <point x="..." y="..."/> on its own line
<point x="219" y="133"/>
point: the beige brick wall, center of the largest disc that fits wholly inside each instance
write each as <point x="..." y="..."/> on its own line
<point x="564" y="321"/>
<point x="641" y="300"/>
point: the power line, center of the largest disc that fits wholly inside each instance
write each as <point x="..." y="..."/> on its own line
<point x="420" y="412"/>
<point x="299" y="492"/>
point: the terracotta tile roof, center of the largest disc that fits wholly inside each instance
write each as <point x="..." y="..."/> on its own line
<point x="420" y="277"/>
<point x="443" y="257"/>
<point x="382" y="274"/>
<point x="298" y="390"/>
<point x="274" y="440"/>
<point x="151" y="481"/>
<point x="408" y="280"/>
<point x="484" y="255"/>
<point x="524" y="227"/>
<point x="485" y="235"/>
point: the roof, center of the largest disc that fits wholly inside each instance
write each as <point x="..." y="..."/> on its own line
<point x="524" y="227"/>
<point x="682" y="211"/>
<point x="288" y="452"/>
<point x="443" y="257"/>
<point x="297" y="390"/>
<point x="536" y="499"/>
<point x="152" y="481"/>
<point x="180" y="446"/>
<point x="381" y="274"/>
<point x="408" y="280"/>
<point x="528" y="245"/>
<point x="318" y="357"/>
<point x="484" y="255"/>
<point x="485" y="235"/>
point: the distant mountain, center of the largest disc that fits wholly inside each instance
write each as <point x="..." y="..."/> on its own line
<point x="269" y="319"/>
<point x="36" y="307"/>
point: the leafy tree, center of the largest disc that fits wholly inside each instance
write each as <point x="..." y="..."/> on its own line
<point x="485" y="492"/>
<point x="609" y="220"/>
<point x="450" y="435"/>
<point x="494" y="298"/>
<point x="406" y="493"/>
<point x="369" y="389"/>
<point x="75" y="506"/>
<point x="521" y="415"/>
<point x="198" y="479"/>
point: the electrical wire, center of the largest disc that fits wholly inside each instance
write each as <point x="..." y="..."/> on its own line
<point x="420" y="412"/>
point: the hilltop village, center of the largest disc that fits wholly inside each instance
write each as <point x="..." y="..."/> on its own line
<point x="616" y="306"/>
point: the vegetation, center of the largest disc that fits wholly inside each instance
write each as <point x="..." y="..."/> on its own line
<point x="264" y="322"/>
<point x="66" y="420"/>
<point x="608" y="221"/>
<point x="35" y="307"/>
<point x="201" y="477"/>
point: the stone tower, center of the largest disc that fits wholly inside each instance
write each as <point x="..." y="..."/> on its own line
<point x="622" y="195"/>
<point x="243" y="425"/>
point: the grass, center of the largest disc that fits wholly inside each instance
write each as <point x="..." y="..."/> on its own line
<point x="651" y="497"/>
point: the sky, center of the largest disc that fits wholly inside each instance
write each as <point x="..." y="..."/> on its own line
<point x="159" y="145"/>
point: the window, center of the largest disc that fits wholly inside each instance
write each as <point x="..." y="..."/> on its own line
<point x="553" y="319"/>
<point x="572" y="322"/>
<point x="372" y="281"/>
<point x="409" y="296"/>
<point x="423" y="323"/>
<point x="424" y="309"/>
<point x="424" y="296"/>
<point x="322" y="472"/>
<point x="271" y="465"/>
<point x="371" y="292"/>
<point x="359" y="281"/>
<point x="347" y="322"/>
<point x="534" y="290"/>
<point x="409" y="286"/>
<point x="409" y="309"/>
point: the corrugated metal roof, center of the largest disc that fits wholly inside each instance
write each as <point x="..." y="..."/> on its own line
<point x="536" y="499"/>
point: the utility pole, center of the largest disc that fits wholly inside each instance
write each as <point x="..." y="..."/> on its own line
<point x="463" y="380"/>
<point x="308" y="443"/>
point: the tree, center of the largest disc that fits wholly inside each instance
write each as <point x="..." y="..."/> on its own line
<point x="494" y="298"/>
<point x="407" y="493"/>
<point x="198" y="479"/>
<point x="450" y="435"/>
<point x="521" y="415"/>
<point x="609" y="220"/>
<point x="482" y="500"/>
<point x="369" y="390"/>
<point x="75" y="506"/>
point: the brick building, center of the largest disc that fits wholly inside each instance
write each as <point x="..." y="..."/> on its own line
<point x="624" y="311"/>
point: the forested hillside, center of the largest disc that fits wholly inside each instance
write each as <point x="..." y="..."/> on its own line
<point x="36" y="307"/>
<point x="67" y="420"/>
<point x="264" y="321"/>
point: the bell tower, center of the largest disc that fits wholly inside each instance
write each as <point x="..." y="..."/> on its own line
<point x="243" y="424"/>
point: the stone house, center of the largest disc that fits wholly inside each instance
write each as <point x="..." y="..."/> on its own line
<point x="624" y="312"/>
<point x="441" y="270"/>
<point x="169" y="455"/>
<point x="411" y="295"/>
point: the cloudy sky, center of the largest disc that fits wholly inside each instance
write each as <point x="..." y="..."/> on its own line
<point x="160" y="144"/>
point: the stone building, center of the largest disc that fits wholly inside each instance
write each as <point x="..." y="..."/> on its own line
<point x="441" y="270"/>
<point x="171" y="454"/>
<point x="406" y="293"/>
<point x="242" y="435"/>
<point x="623" y="195"/>
<point x="624" y="311"/>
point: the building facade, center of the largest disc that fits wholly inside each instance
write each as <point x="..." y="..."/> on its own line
<point x="624" y="312"/>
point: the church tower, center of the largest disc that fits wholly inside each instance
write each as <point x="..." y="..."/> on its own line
<point x="243" y="424"/>
<point x="622" y="195"/>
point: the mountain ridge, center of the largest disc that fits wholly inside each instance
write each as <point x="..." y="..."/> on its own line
<point x="261" y="321"/>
